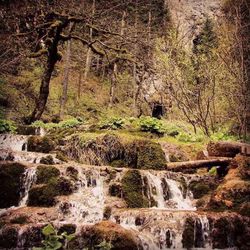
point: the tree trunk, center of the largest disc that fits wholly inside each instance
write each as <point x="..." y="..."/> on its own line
<point x="64" y="96"/>
<point x="113" y="85"/>
<point x="44" y="88"/>
<point x="79" y="85"/>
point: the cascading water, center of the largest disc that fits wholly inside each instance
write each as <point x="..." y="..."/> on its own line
<point x="87" y="202"/>
<point x="13" y="142"/>
<point x="167" y="192"/>
<point x="28" y="180"/>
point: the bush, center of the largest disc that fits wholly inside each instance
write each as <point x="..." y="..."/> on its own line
<point x="189" y="137"/>
<point x="53" y="240"/>
<point x="70" y="123"/>
<point x="7" y="126"/>
<point x="112" y="123"/>
<point x="153" y="125"/>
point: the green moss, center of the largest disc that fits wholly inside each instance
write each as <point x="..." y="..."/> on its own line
<point x="188" y="234"/>
<point x="72" y="173"/>
<point x="107" y="213"/>
<point x="11" y="183"/>
<point x="40" y="144"/>
<point x="132" y="190"/>
<point x="118" y="164"/>
<point x="150" y="155"/>
<point x="115" y="189"/>
<point x="42" y="196"/>
<point x="48" y="160"/>
<point x="61" y="156"/>
<point x="199" y="189"/>
<point x="22" y="219"/>
<point x="61" y="185"/>
<point x="45" y="173"/>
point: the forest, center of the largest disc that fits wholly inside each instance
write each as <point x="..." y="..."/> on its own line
<point x="124" y="124"/>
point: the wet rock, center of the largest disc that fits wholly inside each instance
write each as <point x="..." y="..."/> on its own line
<point x="48" y="160"/>
<point x="8" y="237"/>
<point x="40" y="144"/>
<point x="188" y="236"/>
<point x="115" y="189"/>
<point x="120" y="238"/>
<point x="45" y="173"/>
<point x="11" y="183"/>
<point x="132" y="190"/>
<point x="107" y="213"/>
<point x="166" y="190"/>
<point x="68" y="228"/>
<point x="72" y="173"/>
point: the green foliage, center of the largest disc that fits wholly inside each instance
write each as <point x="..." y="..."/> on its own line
<point x="213" y="171"/>
<point x="112" y="123"/>
<point x="151" y="124"/>
<point x="199" y="189"/>
<point x="189" y="137"/>
<point x="7" y="126"/>
<point x="222" y="135"/>
<point x="53" y="240"/>
<point x="70" y="123"/>
<point x="45" y="173"/>
<point x="104" y="245"/>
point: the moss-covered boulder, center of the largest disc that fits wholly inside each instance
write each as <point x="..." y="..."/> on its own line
<point x="150" y="155"/>
<point x="44" y="195"/>
<point x="45" y="173"/>
<point x="40" y="144"/>
<point x="48" y="160"/>
<point x="188" y="235"/>
<point x="132" y="188"/>
<point x="199" y="189"/>
<point x="8" y="238"/>
<point x="105" y="231"/>
<point x="11" y="183"/>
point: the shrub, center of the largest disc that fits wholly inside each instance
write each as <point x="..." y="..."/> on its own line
<point x="153" y="125"/>
<point x="45" y="173"/>
<point x="53" y="240"/>
<point x="112" y="123"/>
<point x="7" y="126"/>
<point x="189" y="137"/>
<point x="69" y="123"/>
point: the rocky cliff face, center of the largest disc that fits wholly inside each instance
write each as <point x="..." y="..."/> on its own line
<point x="189" y="15"/>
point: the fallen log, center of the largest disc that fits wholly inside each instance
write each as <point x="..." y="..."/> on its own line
<point x="183" y="166"/>
<point x="227" y="149"/>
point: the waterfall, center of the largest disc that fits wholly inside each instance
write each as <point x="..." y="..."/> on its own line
<point x="28" y="180"/>
<point x="13" y="142"/>
<point x="87" y="202"/>
<point x="167" y="192"/>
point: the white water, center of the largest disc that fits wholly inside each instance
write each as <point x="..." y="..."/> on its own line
<point x="13" y="142"/>
<point x="86" y="204"/>
<point x="176" y="200"/>
<point x="28" y="180"/>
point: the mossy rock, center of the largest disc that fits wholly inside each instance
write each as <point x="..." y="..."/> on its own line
<point x="22" y="219"/>
<point x="72" y="173"/>
<point x="48" y="160"/>
<point x="120" y="238"/>
<point x="150" y="155"/>
<point x="188" y="239"/>
<point x="107" y="213"/>
<point x="132" y="190"/>
<point x="199" y="189"/>
<point x="62" y="185"/>
<point x="42" y="196"/>
<point x="11" y="183"/>
<point x="115" y="189"/>
<point x="8" y="238"/>
<point x="118" y="164"/>
<point x="40" y="144"/>
<point x="45" y="173"/>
